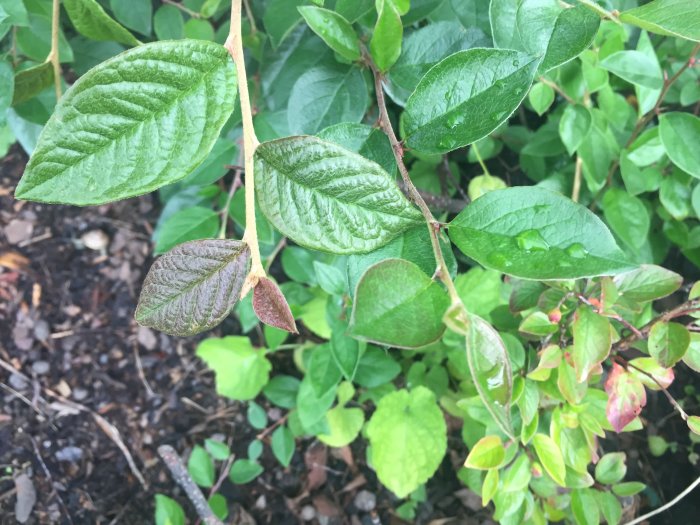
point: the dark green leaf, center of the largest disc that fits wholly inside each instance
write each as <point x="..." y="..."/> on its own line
<point x="282" y="443"/>
<point x="635" y="67"/>
<point x="30" y="82"/>
<point x="536" y="234"/>
<point x="627" y="216"/>
<point x="574" y="126"/>
<point x="218" y="505"/>
<point x="397" y="304"/>
<point x="244" y="471"/>
<point x="167" y="124"/>
<point x="168" y="511"/>
<point x="376" y="368"/>
<point x="35" y="40"/>
<point x="218" y="449"/>
<point x="465" y="97"/>
<point x="541" y="96"/>
<point x="134" y="14"/>
<point x="190" y="224"/>
<point x="334" y="30"/>
<point x="168" y="23"/>
<point x="193" y="287"/>
<point x="201" y="467"/>
<point x="648" y="282"/>
<point x="370" y="142"/>
<point x="282" y="391"/>
<point x="91" y="20"/>
<point x="281" y="16"/>
<point x="668" y="343"/>
<point x="353" y="9"/>
<point x="327" y="198"/>
<point x="545" y="29"/>
<point x="592" y="341"/>
<point x="199" y="29"/>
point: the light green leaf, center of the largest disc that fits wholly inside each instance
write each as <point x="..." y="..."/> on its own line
<point x="327" y="198"/>
<point x="667" y="17"/>
<point x="541" y="97"/>
<point x="344" y="423"/>
<point x="488" y="453"/>
<point x="465" y="97"/>
<point x="408" y="437"/>
<point x="574" y="126"/>
<point x="609" y="506"/>
<point x="193" y="287"/>
<point x="611" y="468"/>
<point x="584" y="507"/>
<point x="241" y="370"/>
<point x="189" y="224"/>
<point x="592" y="341"/>
<point x="134" y="14"/>
<point x="490" y="369"/>
<point x="635" y="67"/>
<point x="282" y="444"/>
<point x="91" y="20"/>
<point x="668" y="343"/>
<point x="244" y="471"/>
<point x="544" y="29"/>
<point x="385" y="45"/>
<point x="397" y="304"/>
<point x="199" y="29"/>
<point x="201" y="467"/>
<point x="534" y="233"/>
<point x="629" y="488"/>
<point x="34" y="41"/>
<point x="353" y="9"/>
<point x="647" y="283"/>
<point x="218" y="449"/>
<point x="694" y="424"/>
<point x="30" y="82"/>
<point x="334" y="30"/>
<point x="679" y="132"/>
<point x="168" y="23"/>
<point x="115" y="135"/>
<point x="168" y="511"/>
<point x="627" y="216"/>
<point x="218" y="505"/>
<point x="489" y="487"/>
<point x="550" y="456"/>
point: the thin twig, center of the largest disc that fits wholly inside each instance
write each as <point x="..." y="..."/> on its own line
<point x="556" y="88"/>
<point x="54" y="55"/>
<point x="668" y="505"/>
<point x="481" y="161"/>
<point x="433" y="225"/>
<point x="49" y="477"/>
<point x="670" y="398"/>
<point x="251" y="18"/>
<point x="225" y="210"/>
<point x="182" y="478"/>
<point x="576" y="191"/>
<point x="271" y="258"/>
<point x="184" y="9"/>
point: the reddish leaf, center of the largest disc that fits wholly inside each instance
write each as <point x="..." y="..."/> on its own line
<point x="271" y="307"/>
<point x="626" y="397"/>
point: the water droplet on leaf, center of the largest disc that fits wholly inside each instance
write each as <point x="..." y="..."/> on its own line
<point x="532" y="240"/>
<point x="576" y="251"/>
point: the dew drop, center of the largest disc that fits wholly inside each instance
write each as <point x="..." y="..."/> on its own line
<point x="454" y="120"/>
<point x="532" y="241"/>
<point x="498" y="260"/>
<point x="576" y="251"/>
<point x="447" y="143"/>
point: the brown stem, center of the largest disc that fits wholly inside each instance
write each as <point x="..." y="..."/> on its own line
<point x="54" y="55"/>
<point x="183" y="8"/>
<point x="670" y="398"/>
<point x="576" y="192"/>
<point x="433" y="225"/>
<point x="556" y="88"/>
<point x="182" y="478"/>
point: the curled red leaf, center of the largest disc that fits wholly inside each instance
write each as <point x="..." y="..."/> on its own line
<point x="271" y="307"/>
<point x="626" y="397"/>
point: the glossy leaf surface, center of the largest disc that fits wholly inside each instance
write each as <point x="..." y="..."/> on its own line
<point x="667" y="17"/>
<point x="91" y="20"/>
<point x="680" y="132"/>
<point x="334" y="30"/>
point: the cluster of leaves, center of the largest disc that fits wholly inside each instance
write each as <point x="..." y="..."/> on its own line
<point x="539" y="334"/>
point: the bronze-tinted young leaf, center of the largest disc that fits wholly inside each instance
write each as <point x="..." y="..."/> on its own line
<point x="193" y="287"/>
<point x="271" y="307"/>
<point x="626" y="397"/>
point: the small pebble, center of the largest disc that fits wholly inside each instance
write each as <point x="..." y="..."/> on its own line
<point x="95" y="240"/>
<point x="18" y="382"/>
<point x="41" y="330"/>
<point x="70" y="454"/>
<point x="79" y="394"/>
<point x="365" y="501"/>
<point x="308" y="513"/>
<point x="41" y="367"/>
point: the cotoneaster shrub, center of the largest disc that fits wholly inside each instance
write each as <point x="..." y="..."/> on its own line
<point x="555" y="145"/>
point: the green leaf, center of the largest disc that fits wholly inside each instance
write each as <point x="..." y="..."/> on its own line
<point x="385" y="45"/>
<point x="550" y="456"/>
<point x="344" y="423"/>
<point x="490" y="370"/>
<point x="218" y="449"/>
<point x="694" y="424"/>
<point x="257" y="417"/>
<point x="201" y="467"/>
<point x="193" y="287"/>
<point x="489" y="487"/>
<point x="334" y="30"/>
<point x="209" y="8"/>
<point x="16" y="12"/>
<point x="168" y="511"/>
<point x="115" y="135"/>
<point x="647" y="283"/>
<point x="635" y="67"/>
<point x="376" y="368"/>
<point x="627" y="216"/>
<point x="282" y="443"/>
<point x="134" y="14"/>
<point x="322" y="371"/>
<point x="35" y="41"/>
<point x="91" y="20"/>
<point x="397" y="304"/>
<point x="574" y="126"/>
<point x="544" y="29"/>
<point x="518" y="475"/>
<point x="282" y="391"/>
<point x="30" y="82"/>
<point x="629" y="488"/>
<point x="611" y="468"/>
<point x="280" y="18"/>
<point x="667" y="17"/>
<point x="7" y="88"/>
<point x="678" y="132"/>
<point x="218" y="505"/>
<point x="330" y="278"/>
<point x="584" y="507"/>
<point x="326" y="95"/>
<point x="626" y="397"/>
<point x="541" y="97"/>
<point x="592" y="341"/>
<point x="327" y="198"/>
<point x="488" y="453"/>
<point x="609" y="506"/>
<point x="370" y="142"/>
<point x="352" y="10"/>
<point x="190" y="224"/>
<point x="312" y="408"/>
<point x="199" y="29"/>
<point x="534" y="233"/>
<point x="168" y="23"/>
<point x="408" y="437"/>
<point x="244" y="471"/>
<point x="648" y="371"/>
<point x="465" y="97"/>
<point x="241" y="370"/>
<point x="668" y="343"/>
